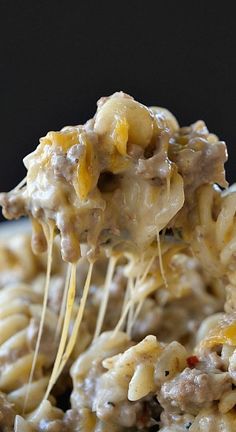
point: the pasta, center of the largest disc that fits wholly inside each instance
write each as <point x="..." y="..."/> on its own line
<point x="134" y="226"/>
<point x="19" y="314"/>
<point x="50" y="416"/>
<point x="16" y="266"/>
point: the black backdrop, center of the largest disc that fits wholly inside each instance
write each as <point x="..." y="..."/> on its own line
<point x="58" y="57"/>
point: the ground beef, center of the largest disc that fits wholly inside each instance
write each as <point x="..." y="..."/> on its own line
<point x="193" y="389"/>
<point x="199" y="156"/>
<point x="14" y="205"/>
<point x="158" y="166"/>
<point x="7" y="414"/>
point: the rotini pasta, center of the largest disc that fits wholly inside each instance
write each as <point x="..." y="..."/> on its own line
<point x="17" y="261"/>
<point x="20" y="309"/>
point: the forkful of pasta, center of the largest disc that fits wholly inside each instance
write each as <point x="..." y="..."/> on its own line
<point x="104" y="183"/>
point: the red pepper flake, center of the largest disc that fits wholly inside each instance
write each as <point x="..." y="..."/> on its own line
<point x="192" y="361"/>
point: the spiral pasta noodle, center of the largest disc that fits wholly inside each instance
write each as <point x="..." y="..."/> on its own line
<point x="20" y="309"/>
<point x="212" y="235"/>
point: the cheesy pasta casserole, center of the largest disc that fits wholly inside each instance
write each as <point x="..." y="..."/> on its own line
<point x="118" y="311"/>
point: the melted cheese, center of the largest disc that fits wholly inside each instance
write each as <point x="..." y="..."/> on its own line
<point x="74" y="334"/>
<point x="223" y="333"/>
<point x="105" y="296"/>
<point x="131" y="290"/>
<point x="160" y="259"/>
<point x="68" y="312"/>
<point x="50" y="236"/>
<point x="20" y="185"/>
<point x="63" y="306"/>
<point x="130" y="144"/>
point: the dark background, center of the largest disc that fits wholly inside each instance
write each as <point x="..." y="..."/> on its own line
<point x="58" y="57"/>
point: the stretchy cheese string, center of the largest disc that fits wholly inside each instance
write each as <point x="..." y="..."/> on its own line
<point x="163" y="234"/>
<point x="160" y="260"/>
<point x="139" y="282"/>
<point x="68" y="312"/>
<point x="149" y="265"/>
<point x="128" y="302"/>
<point x="133" y="300"/>
<point x="122" y="319"/>
<point x="49" y="237"/>
<point x="74" y="334"/>
<point x="63" y="306"/>
<point x="20" y="185"/>
<point x="103" y="304"/>
<point x="168" y="188"/>
<point x="138" y="310"/>
<point x="131" y="288"/>
<point x="126" y="297"/>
